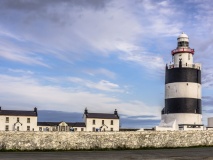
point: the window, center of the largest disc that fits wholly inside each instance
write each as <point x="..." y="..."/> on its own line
<point x="102" y="122"/>
<point x="189" y="56"/>
<point x="6" y="128"/>
<point x="111" y="122"/>
<point x="178" y="44"/>
<point x="93" y="122"/>
<point x="93" y="129"/>
<point x="17" y="119"/>
<point x="75" y="129"/>
<point x="53" y="128"/>
<point x="28" y="120"/>
<point x="7" y="119"/>
<point x="82" y="129"/>
<point x="40" y="128"/>
<point x="28" y="128"/>
<point x="111" y="129"/>
<point x="17" y="128"/>
<point x="62" y="128"/>
<point x="183" y="44"/>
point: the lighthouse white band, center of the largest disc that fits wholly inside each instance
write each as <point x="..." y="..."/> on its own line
<point x="182" y="118"/>
<point x="183" y="90"/>
<point x="187" y="59"/>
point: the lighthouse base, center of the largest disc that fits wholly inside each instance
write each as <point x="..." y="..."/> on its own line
<point x="175" y="121"/>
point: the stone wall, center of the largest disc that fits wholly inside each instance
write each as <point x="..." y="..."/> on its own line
<point x="103" y="140"/>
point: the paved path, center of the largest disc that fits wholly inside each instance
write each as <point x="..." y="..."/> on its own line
<point x="158" y="154"/>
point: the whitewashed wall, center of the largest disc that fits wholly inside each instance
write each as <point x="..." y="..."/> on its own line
<point x="210" y="122"/>
<point x="98" y="124"/>
<point x="22" y="120"/>
<point x="182" y="118"/>
<point x="183" y="89"/>
<point x="186" y="58"/>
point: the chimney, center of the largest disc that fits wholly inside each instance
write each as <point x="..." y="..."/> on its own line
<point x="85" y="111"/>
<point x="35" y="110"/>
<point x="115" y="112"/>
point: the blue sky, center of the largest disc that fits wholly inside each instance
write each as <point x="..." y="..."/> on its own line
<point x="101" y="54"/>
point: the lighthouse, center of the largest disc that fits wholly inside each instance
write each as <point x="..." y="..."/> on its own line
<point x="182" y="89"/>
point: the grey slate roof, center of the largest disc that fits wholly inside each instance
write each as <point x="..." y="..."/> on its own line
<point x="71" y="124"/>
<point x="102" y="115"/>
<point x="48" y="123"/>
<point x="17" y="113"/>
<point x="76" y="124"/>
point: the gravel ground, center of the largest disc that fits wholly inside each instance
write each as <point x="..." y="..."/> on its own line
<point x="155" y="154"/>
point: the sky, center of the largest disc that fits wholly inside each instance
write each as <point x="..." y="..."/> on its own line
<point x="67" y="55"/>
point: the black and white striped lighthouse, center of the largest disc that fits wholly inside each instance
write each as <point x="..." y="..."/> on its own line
<point x="182" y="87"/>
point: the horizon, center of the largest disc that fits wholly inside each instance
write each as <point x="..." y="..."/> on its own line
<point x="64" y="56"/>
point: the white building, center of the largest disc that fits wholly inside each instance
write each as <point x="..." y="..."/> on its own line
<point x="17" y="120"/>
<point x="210" y="123"/>
<point x="101" y="121"/>
<point x="61" y="126"/>
<point x="92" y="122"/>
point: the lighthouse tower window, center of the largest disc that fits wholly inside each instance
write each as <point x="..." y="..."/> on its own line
<point x="188" y="56"/>
<point x="183" y="44"/>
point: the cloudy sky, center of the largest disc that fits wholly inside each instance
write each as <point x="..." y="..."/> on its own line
<point x="101" y="54"/>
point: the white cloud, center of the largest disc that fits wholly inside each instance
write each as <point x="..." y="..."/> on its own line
<point x="149" y="61"/>
<point x="17" y="53"/>
<point x="101" y="85"/>
<point x="7" y="34"/>
<point x="25" y="93"/>
<point x="106" y="86"/>
<point x="120" y="26"/>
<point x="207" y="78"/>
<point x="101" y="71"/>
<point x="93" y="29"/>
<point x="158" y="19"/>
<point x="20" y="71"/>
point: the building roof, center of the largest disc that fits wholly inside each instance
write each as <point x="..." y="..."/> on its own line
<point x="76" y="124"/>
<point x="102" y="115"/>
<point x="191" y="124"/>
<point x="71" y="124"/>
<point x="128" y="129"/>
<point x="48" y="123"/>
<point x="183" y="35"/>
<point x="17" y="113"/>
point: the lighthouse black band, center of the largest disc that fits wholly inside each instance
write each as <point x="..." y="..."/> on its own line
<point x="183" y="75"/>
<point x="182" y="105"/>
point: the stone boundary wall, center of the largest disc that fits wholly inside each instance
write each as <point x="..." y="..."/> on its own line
<point x="103" y="140"/>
